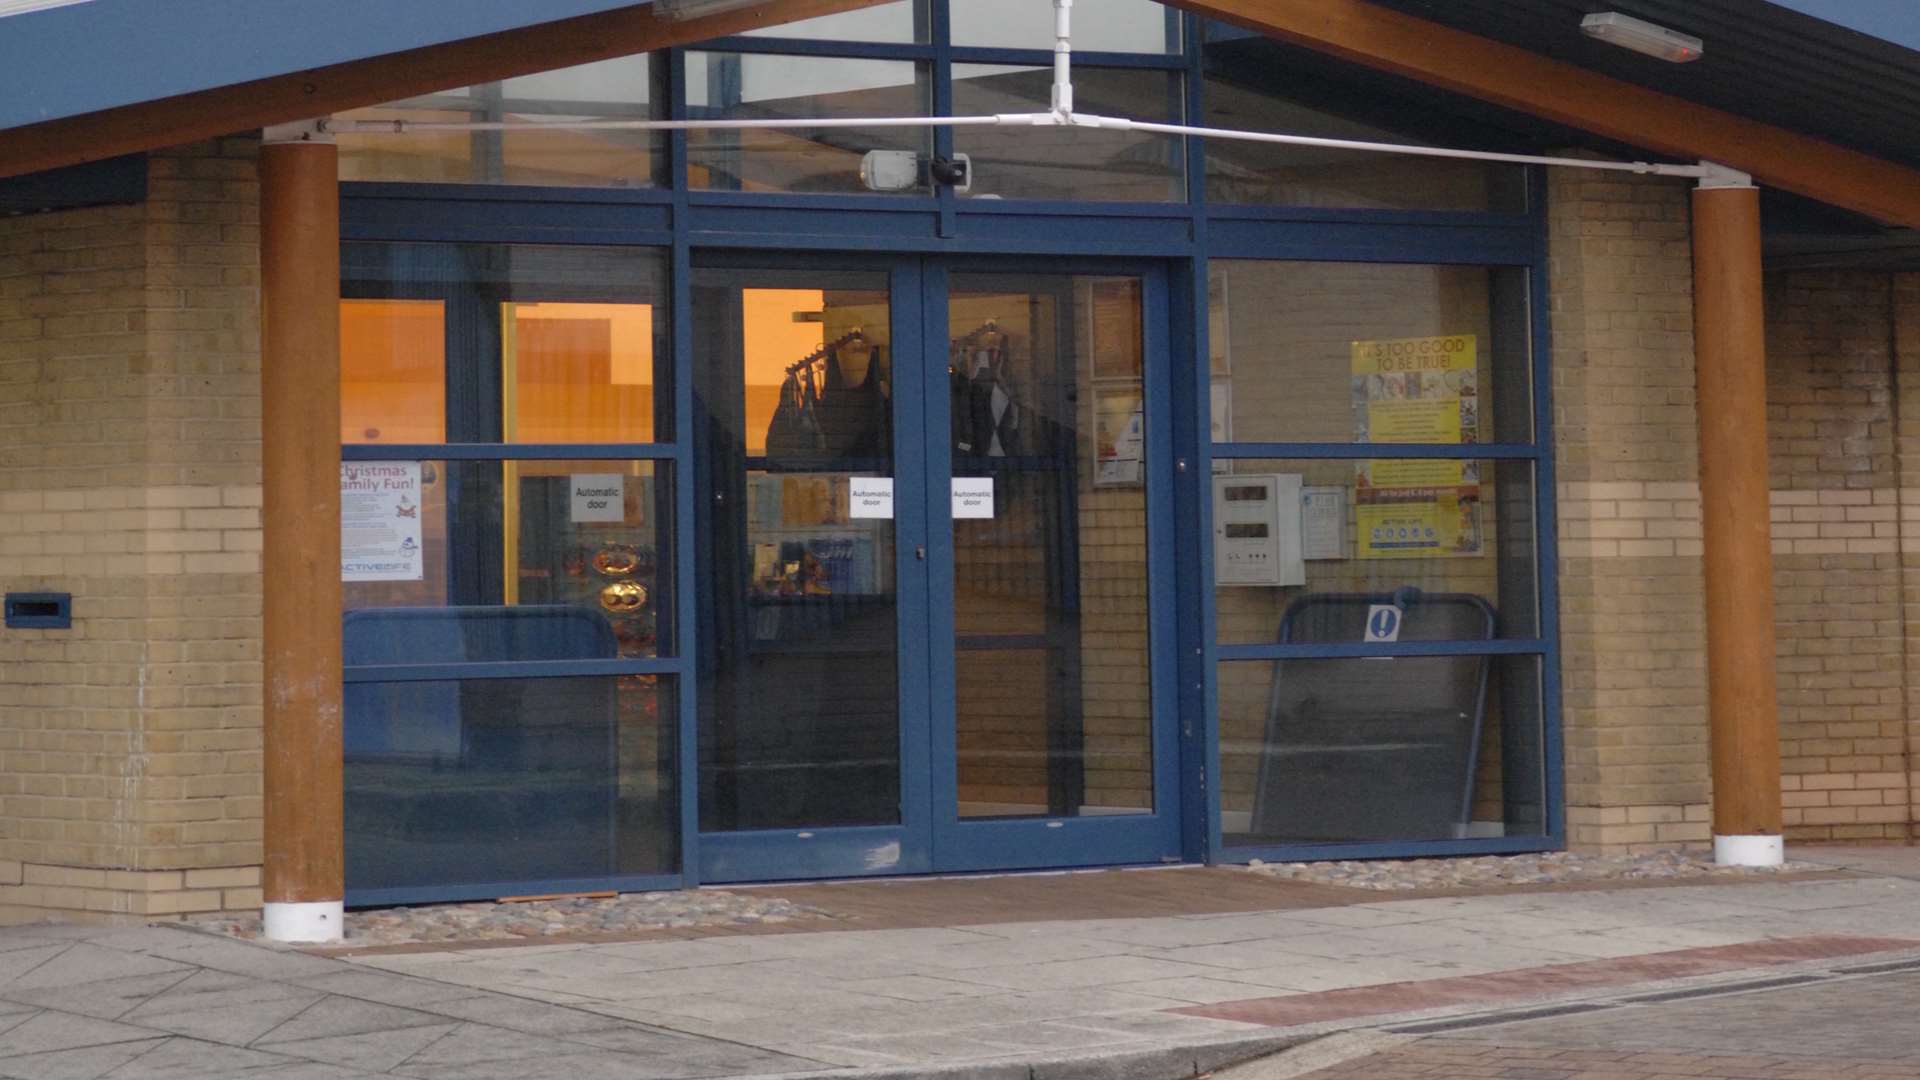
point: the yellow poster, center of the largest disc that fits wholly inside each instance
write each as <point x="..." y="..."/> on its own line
<point x="1417" y="390"/>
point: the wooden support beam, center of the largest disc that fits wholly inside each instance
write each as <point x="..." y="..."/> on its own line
<point x="300" y="475"/>
<point x="322" y="91"/>
<point x="1379" y="38"/>
<point x="1730" y="365"/>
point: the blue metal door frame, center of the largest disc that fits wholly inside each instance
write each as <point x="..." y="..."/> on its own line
<point x="930" y="836"/>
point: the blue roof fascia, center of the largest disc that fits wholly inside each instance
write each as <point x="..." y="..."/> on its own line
<point x="102" y="54"/>
<point x="1894" y="21"/>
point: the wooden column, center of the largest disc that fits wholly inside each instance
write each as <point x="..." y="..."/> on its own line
<point x="1730" y="364"/>
<point x="300" y="421"/>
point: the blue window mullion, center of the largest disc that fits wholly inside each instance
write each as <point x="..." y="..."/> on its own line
<point x="1370" y="451"/>
<point x="1365" y="650"/>
<point x="512" y="669"/>
<point x="509" y="452"/>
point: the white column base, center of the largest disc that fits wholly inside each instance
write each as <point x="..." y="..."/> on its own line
<point x="1749" y="850"/>
<point x="310" y="923"/>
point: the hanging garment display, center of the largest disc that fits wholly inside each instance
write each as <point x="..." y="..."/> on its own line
<point x="987" y="415"/>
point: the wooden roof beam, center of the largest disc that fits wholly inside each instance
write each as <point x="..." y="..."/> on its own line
<point x="322" y="91"/>
<point x="1387" y="40"/>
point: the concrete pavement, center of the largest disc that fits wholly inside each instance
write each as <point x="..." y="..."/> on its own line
<point x="1137" y="997"/>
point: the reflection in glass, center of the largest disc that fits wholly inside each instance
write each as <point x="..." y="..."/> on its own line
<point x="1368" y="352"/>
<point x="1379" y="526"/>
<point x="1392" y="749"/>
<point x="799" y="698"/>
<point x="507" y="784"/>
<point x="1098" y="25"/>
<point x="741" y="86"/>
<point x="616" y="89"/>
<point x="550" y="536"/>
<point x="1052" y="713"/>
<point x="901" y="22"/>
<point x="1070" y="163"/>
<point x="1255" y="83"/>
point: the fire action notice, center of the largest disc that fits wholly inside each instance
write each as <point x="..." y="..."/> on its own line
<point x="380" y="521"/>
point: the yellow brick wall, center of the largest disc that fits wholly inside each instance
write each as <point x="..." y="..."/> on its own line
<point x="129" y="434"/>
<point x="1836" y="541"/>
<point x="1632" y="613"/>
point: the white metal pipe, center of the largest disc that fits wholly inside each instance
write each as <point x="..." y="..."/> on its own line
<point x="401" y="127"/>
<point x="1043" y="119"/>
<point x="1063" y="58"/>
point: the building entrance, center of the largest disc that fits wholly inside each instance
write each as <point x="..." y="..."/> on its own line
<point x="926" y="538"/>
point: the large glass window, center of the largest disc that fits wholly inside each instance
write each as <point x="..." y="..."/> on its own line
<point x="1253" y="84"/>
<point x="748" y="86"/>
<point x="1098" y="25"/>
<point x="623" y="88"/>
<point x="1067" y="163"/>
<point x="900" y="22"/>
<point x="1376" y="590"/>
<point x="510" y="720"/>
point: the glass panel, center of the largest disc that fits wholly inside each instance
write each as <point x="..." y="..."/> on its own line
<point x="451" y="561"/>
<point x="510" y="783"/>
<point x="799" y="693"/>
<point x="1368" y="352"/>
<point x="1255" y="93"/>
<point x="1451" y="541"/>
<point x="1053" y="711"/>
<point x="393" y="371"/>
<point x="744" y="86"/>
<point x="496" y="342"/>
<point x="1402" y="748"/>
<point x="902" y="22"/>
<point x="578" y="373"/>
<point x="1098" y="25"/>
<point x="620" y="89"/>
<point x="1070" y="163"/>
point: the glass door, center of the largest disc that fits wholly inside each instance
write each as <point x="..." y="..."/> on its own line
<point x="1046" y="747"/>
<point x="807" y="757"/>
<point x="927" y="576"/>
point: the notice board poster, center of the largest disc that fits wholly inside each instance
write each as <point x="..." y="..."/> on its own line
<point x="1417" y="390"/>
<point x="380" y="521"/>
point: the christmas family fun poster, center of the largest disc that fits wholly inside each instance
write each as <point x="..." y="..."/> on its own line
<point x="1417" y="390"/>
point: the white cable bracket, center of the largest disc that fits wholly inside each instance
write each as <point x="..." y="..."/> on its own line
<point x="1714" y="175"/>
<point x="300" y="131"/>
<point x="1063" y="60"/>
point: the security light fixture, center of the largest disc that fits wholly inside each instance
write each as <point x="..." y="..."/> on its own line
<point x="678" y="10"/>
<point x="1642" y="37"/>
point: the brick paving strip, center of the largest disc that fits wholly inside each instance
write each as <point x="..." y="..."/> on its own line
<point x="1440" y="1059"/>
<point x="1535" y="983"/>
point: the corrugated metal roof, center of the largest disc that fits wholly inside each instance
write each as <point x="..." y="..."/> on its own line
<point x="1761" y="60"/>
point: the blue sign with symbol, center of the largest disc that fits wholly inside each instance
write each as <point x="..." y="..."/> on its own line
<point x="1383" y="623"/>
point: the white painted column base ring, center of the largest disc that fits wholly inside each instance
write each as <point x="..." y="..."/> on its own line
<point x="1749" y="850"/>
<point x="306" y="923"/>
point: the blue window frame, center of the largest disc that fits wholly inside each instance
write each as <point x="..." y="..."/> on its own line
<point x="1183" y="236"/>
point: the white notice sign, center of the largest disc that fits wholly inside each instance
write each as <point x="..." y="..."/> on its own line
<point x="598" y="497"/>
<point x="380" y="521"/>
<point x="870" y="497"/>
<point x="972" y="497"/>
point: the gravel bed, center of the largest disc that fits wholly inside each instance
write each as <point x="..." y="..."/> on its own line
<point x="1551" y="868"/>
<point x="525" y="920"/>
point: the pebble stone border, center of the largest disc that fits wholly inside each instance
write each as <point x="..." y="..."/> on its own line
<point x="1549" y="868"/>
<point x="525" y="920"/>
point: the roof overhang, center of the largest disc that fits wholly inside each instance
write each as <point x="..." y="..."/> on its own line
<point x="279" y="61"/>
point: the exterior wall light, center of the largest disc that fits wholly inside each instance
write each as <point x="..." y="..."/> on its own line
<point x="695" y="9"/>
<point x="1642" y="37"/>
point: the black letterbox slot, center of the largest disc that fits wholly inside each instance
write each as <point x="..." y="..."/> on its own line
<point x="39" y="611"/>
